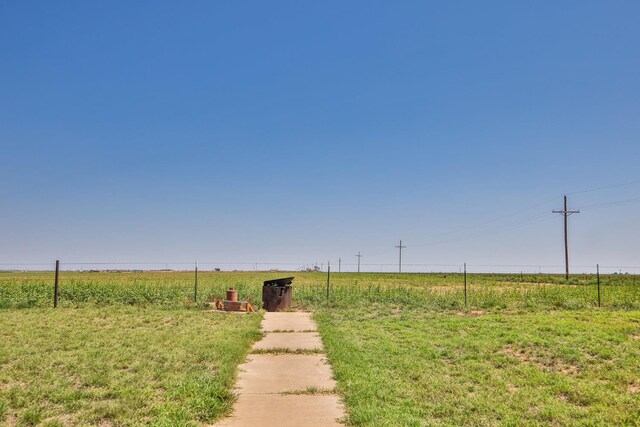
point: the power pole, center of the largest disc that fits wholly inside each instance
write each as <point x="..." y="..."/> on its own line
<point x="339" y="265"/>
<point x="565" y="212"/>
<point x="400" y="247"/>
<point x="359" y="256"/>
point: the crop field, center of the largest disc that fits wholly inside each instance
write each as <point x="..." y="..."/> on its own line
<point x="133" y="348"/>
<point x="427" y="291"/>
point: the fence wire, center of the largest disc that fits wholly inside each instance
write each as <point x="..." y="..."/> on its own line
<point x="344" y="267"/>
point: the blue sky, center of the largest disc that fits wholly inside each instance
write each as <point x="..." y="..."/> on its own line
<point x="308" y="131"/>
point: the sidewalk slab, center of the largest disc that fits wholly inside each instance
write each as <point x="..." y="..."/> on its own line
<point x="285" y="411"/>
<point x="291" y="341"/>
<point x="288" y="321"/>
<point x="268" y="373"/>
<point x="286" y="389"/>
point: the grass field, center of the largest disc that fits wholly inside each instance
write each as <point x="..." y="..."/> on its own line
<point x="400" y="367"/>
<point x="130" y="348"/>
<point x="119" y="365"/>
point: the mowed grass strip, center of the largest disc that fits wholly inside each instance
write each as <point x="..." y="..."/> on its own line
<point x="403" y="367"/>
<point x="119" y="365"/>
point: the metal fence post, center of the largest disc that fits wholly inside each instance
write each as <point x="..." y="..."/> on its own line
<point x="598" y="277"/>
<point x="195" y="285"/>
<point x="465" y="285"/>
<point x="55" y="285"/>
<point x="328" y="278"/>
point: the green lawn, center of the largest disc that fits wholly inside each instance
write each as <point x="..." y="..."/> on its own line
<point x="119" y="365"/>
<point x="405" y="367"/>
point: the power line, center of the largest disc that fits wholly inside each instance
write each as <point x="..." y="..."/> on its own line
<point x="607" y="187"/>
<point x="444" y="236"/>
<point x="612" y="203"/>
<point x="504" y="227"/>
<point x="481" y="225"/>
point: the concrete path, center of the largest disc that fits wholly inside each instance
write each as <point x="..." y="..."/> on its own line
<point x="277" y="387"/>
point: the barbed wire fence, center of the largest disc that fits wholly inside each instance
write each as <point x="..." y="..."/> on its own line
<point x="472" y="279"/>
<point x="345" y="267"/>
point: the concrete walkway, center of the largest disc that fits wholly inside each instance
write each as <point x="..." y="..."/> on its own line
<point x="277" y="387"/>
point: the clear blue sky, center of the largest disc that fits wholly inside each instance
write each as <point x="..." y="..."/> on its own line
<point x="308" y="131"/>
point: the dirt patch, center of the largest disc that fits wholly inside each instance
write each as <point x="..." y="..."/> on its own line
<point x="65" y="420"/>
<point x="510" y="351"/>
<point x="555" y="365"/>
<point x="635" y="337"/>
<point x="160" y="395"/>
<point x="396" y="312"/>
<point x="447" y="361"/>
<point x="503" y="288"/>
<point x="9" y="363"/>
<point x="634" y="388"/>
<point x="568" y="369"/>
<point x="444" y="289"/>
<point x="488" y="288"/>
<point x="473" y="313"/>
<point x="542" y="284"/>
<point x="12" y="384"/>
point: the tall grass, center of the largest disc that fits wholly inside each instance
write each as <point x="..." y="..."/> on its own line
<point x="422" y="291"/>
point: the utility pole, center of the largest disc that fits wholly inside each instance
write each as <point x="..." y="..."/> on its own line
<point x="565" y="212"/>
<point x="359" y="256"/>
<point x="400" y="247"/>
<point x="339" y="265"/>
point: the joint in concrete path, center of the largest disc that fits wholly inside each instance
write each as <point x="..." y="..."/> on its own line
<point x="286" y="381"/>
